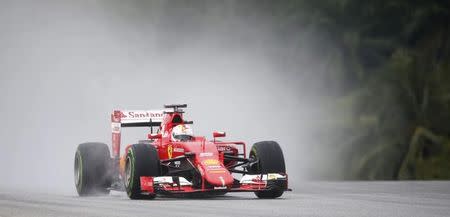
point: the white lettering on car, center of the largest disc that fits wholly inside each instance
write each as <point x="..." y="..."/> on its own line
<point x="206" y="154"/>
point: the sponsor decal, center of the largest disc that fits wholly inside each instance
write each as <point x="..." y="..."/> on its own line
<point x="169" y="151"/>
<point x="216" y="171"/>
<point x="257" y="179"/>
<point x="206" y="154"/>
<point x="224" y="148"/>
<point x="117" y="115"/>
<point x="214" y="167"/>
<point x="141" y="114"/>
<point x="115" y="127"/>
<point x="262" y="178"/>
<point x="177" y="164"/>
<point x="178" y="149"/>
<point x="271" y="176"/>
<point x="211" y="162"/>
<point x="147" y="183"/>
<point x="164" y="179"/>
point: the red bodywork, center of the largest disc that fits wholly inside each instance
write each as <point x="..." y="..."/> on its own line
<point x="207" y="157"/>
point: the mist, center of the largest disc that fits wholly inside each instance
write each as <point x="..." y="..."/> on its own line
<point x="65" y="65"/>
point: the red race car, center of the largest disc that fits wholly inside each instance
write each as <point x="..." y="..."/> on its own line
<point x="174" y="161"/>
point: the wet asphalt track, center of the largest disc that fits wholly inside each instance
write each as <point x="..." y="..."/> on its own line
<point x="347" y="199"/>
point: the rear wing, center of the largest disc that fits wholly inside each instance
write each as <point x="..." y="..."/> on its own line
<point x="139" y="118"/>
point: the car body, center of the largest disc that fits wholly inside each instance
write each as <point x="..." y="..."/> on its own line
<point x="188" y="167"/>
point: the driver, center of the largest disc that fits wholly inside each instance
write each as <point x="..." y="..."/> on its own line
<point x="181" y="133"/>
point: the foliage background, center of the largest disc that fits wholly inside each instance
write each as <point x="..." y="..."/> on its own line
<point x="386" y="67"/>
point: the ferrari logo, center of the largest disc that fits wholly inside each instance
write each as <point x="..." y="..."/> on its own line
<point x="169" y="151"/>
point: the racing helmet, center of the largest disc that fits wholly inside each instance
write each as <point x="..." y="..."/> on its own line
<point x="182" y="132"/>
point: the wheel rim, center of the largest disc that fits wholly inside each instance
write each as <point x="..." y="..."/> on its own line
<point x="127" y="171"/>
<point x="77" y="170"/>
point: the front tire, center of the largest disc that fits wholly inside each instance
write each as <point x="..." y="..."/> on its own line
<point x="141" y="160"/>
<point x="270" y="159"/>
<point x="92" y="169"/>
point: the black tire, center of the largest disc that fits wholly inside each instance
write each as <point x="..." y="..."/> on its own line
<point x="92" y="169"/>
<point x="141" y="160"/>
<point x="270" y="160"/>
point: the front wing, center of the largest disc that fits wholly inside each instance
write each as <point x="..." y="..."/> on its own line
<point x="179" y="185"/>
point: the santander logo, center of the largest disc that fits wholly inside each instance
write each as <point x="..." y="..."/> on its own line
<point x="138" y="116"/>
<point x="141" y="114"/>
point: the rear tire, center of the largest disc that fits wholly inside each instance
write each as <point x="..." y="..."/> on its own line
<point x="270" y="160"/>
<point x="141" y="160"/>
<point x="92" y="169"/>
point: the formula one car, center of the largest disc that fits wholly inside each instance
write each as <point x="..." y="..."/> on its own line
<point x="174" y="161"/>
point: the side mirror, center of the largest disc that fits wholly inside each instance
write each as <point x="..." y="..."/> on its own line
<point x="154" y="136"/>
<point x="218" y="134"/>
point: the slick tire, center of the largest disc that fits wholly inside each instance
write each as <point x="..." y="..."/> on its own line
<point x="270" y="160"/>
<point x="92" y="169"/>
<point x="141" y="160"/>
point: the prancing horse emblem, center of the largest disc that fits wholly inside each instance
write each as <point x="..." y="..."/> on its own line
<point x="169" y="151"/>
